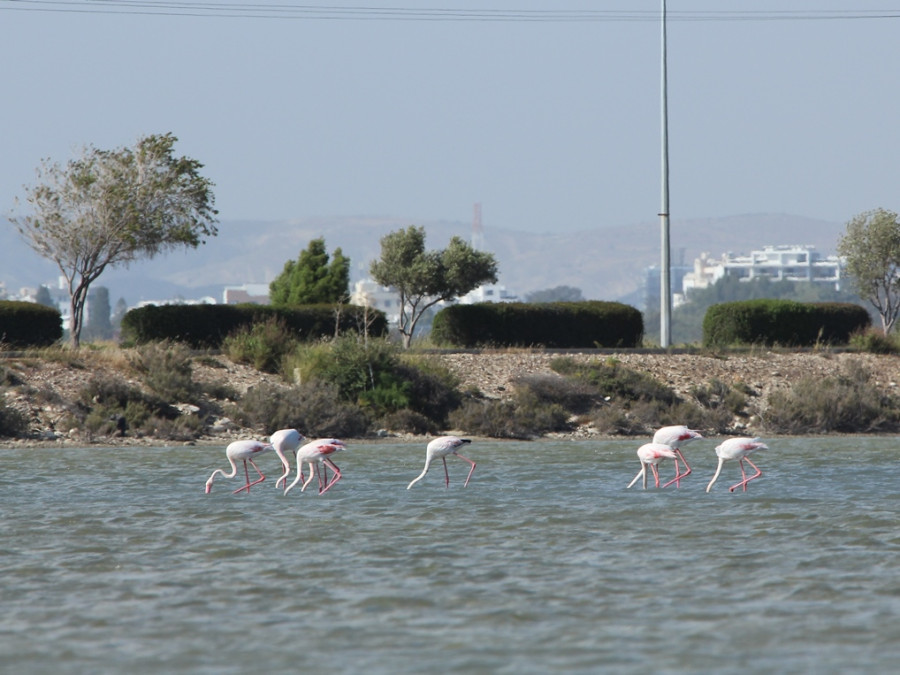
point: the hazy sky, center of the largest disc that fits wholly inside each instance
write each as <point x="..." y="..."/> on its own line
<point x="550" y="124"/>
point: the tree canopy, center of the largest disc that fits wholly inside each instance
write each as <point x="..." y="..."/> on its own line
<point x="424" y="278"/>
<point x="111" y="207"/>
<point x="312" y="279"/>
<point x="871" y="249"/>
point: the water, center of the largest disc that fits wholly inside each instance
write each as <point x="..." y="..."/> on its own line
<point x="115" y="561"/>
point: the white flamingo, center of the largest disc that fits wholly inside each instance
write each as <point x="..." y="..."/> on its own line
<point x="286" y="440"/>
<point x="651" y="454"/>
<point x="317" y="453"/>
<point x="441" y="447"/>
<point x="738" y="448"/>
<point x="675" y="436"/>
<point x="245" y="451"/>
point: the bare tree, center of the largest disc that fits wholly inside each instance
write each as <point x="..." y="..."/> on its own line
<point x="112" y="207"/>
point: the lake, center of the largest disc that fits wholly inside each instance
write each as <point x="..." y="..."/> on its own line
<point x="115" y="561"/>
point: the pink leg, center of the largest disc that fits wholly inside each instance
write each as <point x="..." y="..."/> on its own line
<point x="334" y="478"/>
<point x="471" y="471"/>
<point x="679" y="476"/>
<point x="746" y="480"/>
<point x="655" y="474"/>
<point x="446" y="473"/>
<point x="247" y="474"/>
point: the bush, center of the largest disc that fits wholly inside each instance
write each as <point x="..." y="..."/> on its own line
<point x="782" y="322"/>
<point x="312" y="407"/>
<point x="13" y="423"/>
<point x="846" y="403"/>
<point x="874" y="341"/>
<point x="524" y="418"/>
<point x="28" y="324"/>
<point x="262" y="345"/>
<point x="573" y="395"/>
<point x="553" y="324"/>
<point x="166" y="370"/>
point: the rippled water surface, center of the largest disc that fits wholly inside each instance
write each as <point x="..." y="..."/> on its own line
<point x="115" y="561"/>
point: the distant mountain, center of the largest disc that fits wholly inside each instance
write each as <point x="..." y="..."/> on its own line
<point x="606" y="264"/>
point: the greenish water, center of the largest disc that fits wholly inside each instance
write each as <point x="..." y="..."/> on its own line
<point x="115" y="561"/>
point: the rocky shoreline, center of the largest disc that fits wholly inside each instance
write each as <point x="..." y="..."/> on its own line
<point x="46" y="389"/>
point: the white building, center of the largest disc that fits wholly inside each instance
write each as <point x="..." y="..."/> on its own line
<point x="257" y="294"/>
<point x="778" y="263"/>
<point x="488" y="293"/>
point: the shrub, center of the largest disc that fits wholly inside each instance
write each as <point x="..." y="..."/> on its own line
<point x="874" y="342"/>
<point x="577" y="397"/>
<point x="28" y="324"/>
<point x="554" y="324"/>
<point x="315" y="408"/>
<point x="845" y="403"/>
<point x="13" y="422"/>
<point x="262" y="345"/>
<point x="166" y="370"/>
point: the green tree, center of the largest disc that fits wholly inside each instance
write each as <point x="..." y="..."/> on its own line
<point x="424" y="278"/>
<point x="312" y="279"/>
<point x="871" y="249"/>
<point x="107" y="208"/>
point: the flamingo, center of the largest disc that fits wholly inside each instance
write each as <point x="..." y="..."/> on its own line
<point x="286" y="439"/>
<point x="674" y="437"/>
<point x="315" y="453"/>
<point x="739" y="449"/>
<point x="441" y="447"/>
<point x="650" y="455"/>
<point x="245" y="451"/>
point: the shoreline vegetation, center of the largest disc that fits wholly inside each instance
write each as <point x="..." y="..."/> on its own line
<point x="112" y="396"/>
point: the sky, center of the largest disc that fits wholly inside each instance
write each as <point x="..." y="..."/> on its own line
<point x="548" y="118"/>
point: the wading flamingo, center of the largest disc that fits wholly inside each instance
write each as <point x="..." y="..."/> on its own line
<point x="675" y="437"/>
<point x="244" y="451"/>
<point x="282" y="440"/>
<point x="441" y="447"/>
<point x="650" y="455"/>
<point x="738" y="448"/>
<point x="316" y="453"/>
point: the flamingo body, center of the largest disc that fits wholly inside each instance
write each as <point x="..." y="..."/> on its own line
<point x="316" y="453"/>
<point x="242" y="451"/>
<point x="650" y="455"/>
<point x="441" y="447"/>
<point x="739" y="449"/>
<point x="675" y="436"/>
<point x="286" y="440"/>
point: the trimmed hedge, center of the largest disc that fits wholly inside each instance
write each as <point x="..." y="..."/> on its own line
<point x="206" y="326"/>
<point x="28" y="324"/>
<point x="782" y="322"/>
<point x="553" y="324"/>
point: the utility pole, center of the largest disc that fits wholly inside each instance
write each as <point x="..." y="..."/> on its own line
<point x="665" y="279"/>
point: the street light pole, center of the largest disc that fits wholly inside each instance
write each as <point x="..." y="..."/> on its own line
<point x="665" y="280"/>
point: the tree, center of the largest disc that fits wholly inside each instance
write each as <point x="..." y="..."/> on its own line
<point x="556" y="294"/>
<point x="312" y="279"/>
<point x="425" y="278"/>
<point x="871" y="248"/>
<point x="111" y="207"/>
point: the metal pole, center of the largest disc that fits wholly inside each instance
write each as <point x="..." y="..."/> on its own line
<point x="665" y="281"/>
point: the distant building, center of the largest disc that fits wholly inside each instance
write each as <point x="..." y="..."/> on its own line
<point x="488" y="293"/>
<point x="257" y="294"/>
<point x="778" y="263"/>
